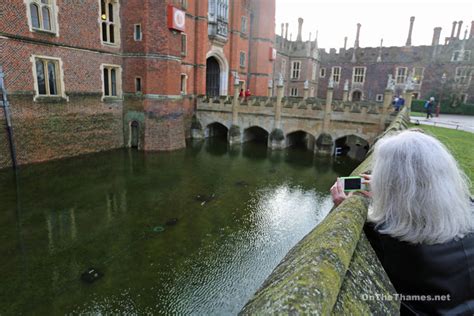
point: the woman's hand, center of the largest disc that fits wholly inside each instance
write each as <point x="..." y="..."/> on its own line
<point x="366" y="179"/>
<point x="337" y="193"/>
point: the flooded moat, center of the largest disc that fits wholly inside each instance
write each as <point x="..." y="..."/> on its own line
<point x="194" y="231"/>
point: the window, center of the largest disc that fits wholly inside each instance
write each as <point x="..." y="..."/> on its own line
<point x="379" y="98"/>
<point x="283" y="68"/>
<point x="322" y="72"/>
<point x="42" y="15"/>
<point x="137" y="35"/>
<point x="47" y="76"/>
<point x="295" y="69"/>
<point x="218" y="15"/>
<point x="358" y="75"/>
<point x="138" y="84"/>
<point x="462" y="75"/>
<point x="243" y="22"/>
<point x="242" y="59"/>
<point x="418" y="74"/>
<point x="293" y="92"/>
<point x="461" y="55"/>
<point x="401" y="74"/>
<point x="313" y="74"/>
<point x="184" y="79"/>
<point x="336" y="74"/>
<point x="112" y="79"/>
<point x="184" y="44"/>
<point x="109" y="21"/>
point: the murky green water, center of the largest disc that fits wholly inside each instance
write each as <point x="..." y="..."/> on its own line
<point x="108" y="211"/>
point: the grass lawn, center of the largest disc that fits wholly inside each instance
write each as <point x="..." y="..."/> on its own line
<point x="418" y="114"/>
<point x="461" y="145"/>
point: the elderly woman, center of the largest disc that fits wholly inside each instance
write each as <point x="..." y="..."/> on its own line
<point x="421" y="224"/>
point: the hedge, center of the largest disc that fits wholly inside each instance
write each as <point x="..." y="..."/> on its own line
<point x="463" y="109"/>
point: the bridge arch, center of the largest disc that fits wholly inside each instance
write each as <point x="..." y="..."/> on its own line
<point x="300" y="138"/>
<point x="352" y="145"/>
<point x="216" y="130"/>
<point x="255" y="134"/>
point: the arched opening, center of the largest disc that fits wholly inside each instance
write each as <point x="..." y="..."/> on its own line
<point x="213" y="77"/>
<point x="324" y="145"/>
<point x="352" y="146"/>
<point x="216" y="130"/>
<point x="356" y="95"/>
<point x="255" y="134"/>
<point x="134" y="134"/>
<point x="300" y="139"/>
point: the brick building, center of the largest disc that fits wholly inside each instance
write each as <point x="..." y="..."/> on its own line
<point x="91" y="75"/>
<point x="362" y="73"/>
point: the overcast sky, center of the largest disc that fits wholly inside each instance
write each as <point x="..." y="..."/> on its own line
<point x="385" y="19"/>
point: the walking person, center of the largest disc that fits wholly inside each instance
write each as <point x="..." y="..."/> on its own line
<point x="429" y="106"/>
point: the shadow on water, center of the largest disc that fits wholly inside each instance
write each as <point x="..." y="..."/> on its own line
<point x="255" y="150"/>
<point x="216" y="146"/>
<point x="299" y="156"/>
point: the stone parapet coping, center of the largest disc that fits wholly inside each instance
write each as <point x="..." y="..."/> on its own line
<point x="333" y="269"/>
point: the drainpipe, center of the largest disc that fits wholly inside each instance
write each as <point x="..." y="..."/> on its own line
<point x="6" y="110"/>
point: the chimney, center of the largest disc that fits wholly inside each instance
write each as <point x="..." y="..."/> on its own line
<point x="309" y="40"/>
<point x="286" y="31"/>
<point x="436" y="36"/>
<point x="408" y="43"/>
<point x="454" y="29"/>
<point x="356" y="43"/>
<point x="282" y="30"/>
<point x="345" y="42"/>
<point x="471" y="35"/>
<point x="459" y="29"/>
<point x="300" y="28"/>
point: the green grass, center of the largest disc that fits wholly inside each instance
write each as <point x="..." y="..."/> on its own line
<point x="417" y="114"/>
<point x="461" y="145"/>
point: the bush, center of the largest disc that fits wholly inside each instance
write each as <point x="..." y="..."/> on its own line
<point x="462" y="109"/>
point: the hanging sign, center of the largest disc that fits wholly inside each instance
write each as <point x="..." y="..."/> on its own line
<point x="176" y="19"/>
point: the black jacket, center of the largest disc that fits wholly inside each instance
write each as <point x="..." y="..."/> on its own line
<point x="442" y="269"/>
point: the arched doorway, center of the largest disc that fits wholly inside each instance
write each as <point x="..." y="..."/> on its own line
<point x="352" y="146"/>
<point x="134" y="134"/>
<point x="213" y="73"/>
<point x="255" y="134"/>
<point x="300" y="139"/>
<point x="356" y="95"/>
<point x="216" y="130"/>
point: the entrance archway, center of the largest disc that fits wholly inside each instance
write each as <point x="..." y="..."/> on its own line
<point x="213" y="77"/>
<point x="134" y="134"/>
<point x="356" y="95"/>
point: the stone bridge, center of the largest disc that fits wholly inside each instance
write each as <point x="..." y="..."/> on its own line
<point x="321" y="125"/>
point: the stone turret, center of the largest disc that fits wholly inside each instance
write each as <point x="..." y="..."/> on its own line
<point x="410" y="30"/>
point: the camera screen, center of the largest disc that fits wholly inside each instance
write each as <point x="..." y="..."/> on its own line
<point x="352" y="184"/>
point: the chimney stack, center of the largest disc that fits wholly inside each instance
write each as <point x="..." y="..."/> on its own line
<point x="471" y="35"/>
<point x="454" y="29"/>
<point x="412" y="20"/>
<point x="286" y="30"/>
<point x="345" y="42"/>
<point x="459" y="29"/>
<point x="436" y="36"/>
<point x="356" y="43"/>
<point x="300" y="29"/>
<point x="282" y="30"/>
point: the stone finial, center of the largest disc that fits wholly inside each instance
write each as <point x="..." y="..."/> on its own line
<point x="390" y="83"/>
<point x="306" y="85"/>
<point x="412" y="20"/>
<point x="280" y="80"/>
<point x="346" y="85"/>
<point x="270" y="83"/>
<point x="410" y="83"/>
<point x="331" y="83"/>
<point x="300" y="29"/>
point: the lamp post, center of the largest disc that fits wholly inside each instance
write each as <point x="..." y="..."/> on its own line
<point x="438" y="107"/>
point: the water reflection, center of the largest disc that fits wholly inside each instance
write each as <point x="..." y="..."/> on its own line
<point x="109" y="211"/>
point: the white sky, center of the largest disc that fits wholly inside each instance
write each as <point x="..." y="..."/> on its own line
<point x="387" y="19"/>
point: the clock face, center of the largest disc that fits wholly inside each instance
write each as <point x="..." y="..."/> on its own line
<point x="179" y="19"/>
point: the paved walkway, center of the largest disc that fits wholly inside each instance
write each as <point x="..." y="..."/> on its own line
<point x="462" y="122"/>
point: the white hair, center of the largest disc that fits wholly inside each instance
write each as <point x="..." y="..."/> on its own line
<point x="420" y="195"/>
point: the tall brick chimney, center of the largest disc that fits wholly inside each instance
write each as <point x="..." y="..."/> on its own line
<point x="356" y="43"/>
<point x="471" y="35"/>
<point x="300" y="29"/>
<point x="345" y="42"/>
<point x="412" y="20"/>
<point x="436" y="36"/>
<point x="286" y="30"/>
<point x="459" y="29"/>
<point x="454" y="29"/>
<point x="282" y="30"/>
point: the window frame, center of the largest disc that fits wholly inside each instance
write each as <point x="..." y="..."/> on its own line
<point x="379" y="97"/>
<point x="398" y="76"/>
<point x="242" y="59"/>
<point x="356" y="75"/>
<point x="283" y="68"/>
<point x="333" y="74"/>
<point x="135" y="32"/>
<point x="116" y="23"/>
<point x="295" y="72"/>
<point x="322" y="72"/>
<point x="118" y="81"/>
<point x="464" y="77"/>
<point x="60" y="87"/>
<point x="53" y="16"/>
<point x="314" y="71"/>
<point x="294" y="92"/>
<point x="422" y="75"/>
<point x="243" y="24"/>
<point x="184" y="44"/>
<point x="183" y="82"/>
<point x="140" y="81"/>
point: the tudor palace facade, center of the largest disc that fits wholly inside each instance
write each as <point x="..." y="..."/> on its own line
<point x="90" y="75"/>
